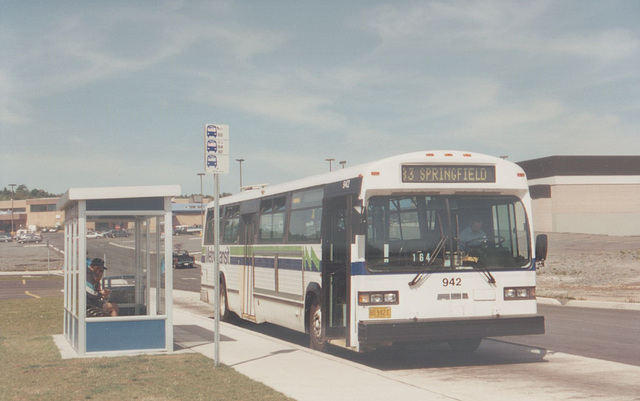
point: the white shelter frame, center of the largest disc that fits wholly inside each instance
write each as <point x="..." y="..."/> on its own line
<point x="149" y="327"/>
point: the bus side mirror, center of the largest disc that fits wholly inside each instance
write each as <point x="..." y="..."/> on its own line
<point x="541" y="249"/>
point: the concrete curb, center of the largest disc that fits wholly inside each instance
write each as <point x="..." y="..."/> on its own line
<point x="590" y="304"/>
<point x="604" y="305"/>
<point x="548" y="301"/>
<point x="52" y="272"/>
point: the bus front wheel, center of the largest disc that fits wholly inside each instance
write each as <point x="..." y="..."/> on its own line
<point x="466" y="346"/>
<point x="316" y="341"/>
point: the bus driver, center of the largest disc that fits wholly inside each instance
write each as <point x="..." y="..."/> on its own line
<point x="473" y="234"/>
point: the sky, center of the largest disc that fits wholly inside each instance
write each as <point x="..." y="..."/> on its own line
<point x="117" y="93"/>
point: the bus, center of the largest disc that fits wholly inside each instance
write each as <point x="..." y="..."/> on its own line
<point x="433" y="246"/>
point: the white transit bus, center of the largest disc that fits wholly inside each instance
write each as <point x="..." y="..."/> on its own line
<point x="433" y="246"/>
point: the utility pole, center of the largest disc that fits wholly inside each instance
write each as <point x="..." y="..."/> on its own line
<point x="12" y="196"/>
<point x="329" y="160"/>
<point x="240" y="161"/>
<point x="201" y="205"/>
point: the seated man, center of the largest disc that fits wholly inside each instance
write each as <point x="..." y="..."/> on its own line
<point x="473" y="236"/>
<point x="98" y="299"/>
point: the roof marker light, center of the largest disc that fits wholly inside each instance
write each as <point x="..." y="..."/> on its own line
<point x="448" y="154"/>
<point x="521" y="175"/>
<point x="429" y="155"/>
<point x="375" y="173"/>
<point x="466" y="155"/>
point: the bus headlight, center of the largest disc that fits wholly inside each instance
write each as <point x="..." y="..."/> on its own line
<point x="378" y="298"/>
<point x="519" y="293"/>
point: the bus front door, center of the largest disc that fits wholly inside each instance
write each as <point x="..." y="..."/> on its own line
<point x="247" y="276"/>
<point x="336" y="263"/>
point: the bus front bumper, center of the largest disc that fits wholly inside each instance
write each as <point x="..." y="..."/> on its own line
<point x="379" y="331"/>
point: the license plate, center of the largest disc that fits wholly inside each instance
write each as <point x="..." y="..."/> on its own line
<point x="380" y="312"/>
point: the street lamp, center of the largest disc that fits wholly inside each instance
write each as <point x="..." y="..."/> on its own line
<point x="201" y="204"/>
<point x="342" y="163"/>
<point x="329" y="160"/>
<point x="240" y="161"/>
<point x="12" y="187"/>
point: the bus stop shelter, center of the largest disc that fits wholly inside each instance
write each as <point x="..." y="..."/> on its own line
<point x="137" y="255"/>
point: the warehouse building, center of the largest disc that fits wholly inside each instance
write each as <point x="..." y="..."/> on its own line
<point x="585" y="194"/>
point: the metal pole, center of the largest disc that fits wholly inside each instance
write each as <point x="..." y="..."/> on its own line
<point x="240" y="161"/>
<point x="216" y="272"/>
<point x="329" y="160"/>
<point x="201" y="205"/>
<point x="12" y="196"/>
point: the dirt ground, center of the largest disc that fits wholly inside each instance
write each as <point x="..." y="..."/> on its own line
<point x="591" y="267"/>
<point x="578" y="267"/>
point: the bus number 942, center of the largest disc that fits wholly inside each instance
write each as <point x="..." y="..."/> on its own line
<point x="452" y="282"/>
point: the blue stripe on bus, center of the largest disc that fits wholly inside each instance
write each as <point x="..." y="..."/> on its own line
<point x="357" y="269"/>
<point x="269" y="263"/>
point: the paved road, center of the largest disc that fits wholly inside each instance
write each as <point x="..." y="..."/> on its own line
<point x="610" y="335"/>
<point x="29" y="287"/>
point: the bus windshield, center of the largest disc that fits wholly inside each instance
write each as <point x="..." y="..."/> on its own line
<point x="427" y="233"/>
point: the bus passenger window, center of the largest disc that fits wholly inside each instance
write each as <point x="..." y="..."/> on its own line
<point x="272" y="214"/>
<point x="305" y="225"/>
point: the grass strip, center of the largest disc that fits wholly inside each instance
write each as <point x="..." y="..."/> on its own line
<point x="31" y="367"/>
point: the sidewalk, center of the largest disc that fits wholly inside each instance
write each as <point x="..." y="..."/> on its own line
<point x="298" y="372"/>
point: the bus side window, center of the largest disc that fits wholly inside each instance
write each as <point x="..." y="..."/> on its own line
<point x="272" y="220"/>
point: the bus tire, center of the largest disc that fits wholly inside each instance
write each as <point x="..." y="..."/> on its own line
<point x="466" y="346"/>
<point x="225" y="315"/>
<point x="316" y="342"/>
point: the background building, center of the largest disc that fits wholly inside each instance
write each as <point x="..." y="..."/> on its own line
<point x="40" y="212"/>
<point x="585" y="194"/>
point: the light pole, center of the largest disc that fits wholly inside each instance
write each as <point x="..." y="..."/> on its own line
<point x="240" y="161"/>
<point x="342" y="163"/>
<point x="12" y="196"/>
<point x="201" y="204"/>
<point x="329" y="160"/>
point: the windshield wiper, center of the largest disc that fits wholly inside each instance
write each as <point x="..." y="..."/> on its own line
<point x="435" y="253"/>
<point x="486" y="273"/>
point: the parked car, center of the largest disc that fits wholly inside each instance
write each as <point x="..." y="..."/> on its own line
<point x="116" y="233"/>
<point x="94" y="234"/>
<point x="30" y="238"/>
<point x="195" y="229"/>
<point x="182" y="259"/>
<point x="5" y="237"/>
<point x="177" y="230"/>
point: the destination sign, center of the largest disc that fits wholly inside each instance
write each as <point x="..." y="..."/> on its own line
<point x="448" y="174"/>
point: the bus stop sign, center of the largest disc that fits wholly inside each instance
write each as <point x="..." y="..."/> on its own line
<point x="216" y="148"/>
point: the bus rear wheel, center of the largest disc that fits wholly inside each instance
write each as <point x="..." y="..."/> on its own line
<point x="316" y="342"/>
<point x="224" y="303"/>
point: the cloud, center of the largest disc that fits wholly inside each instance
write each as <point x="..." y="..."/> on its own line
<point x="75" y="49"/>
<point x="496" y="26"/>
<point x="548" y="127"/>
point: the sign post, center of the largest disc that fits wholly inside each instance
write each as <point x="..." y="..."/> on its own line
<point x="216" y="162"/>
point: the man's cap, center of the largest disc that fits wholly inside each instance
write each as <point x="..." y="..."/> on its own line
<point x="98" y="262"/>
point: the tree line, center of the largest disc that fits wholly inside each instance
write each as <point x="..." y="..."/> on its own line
<point x="22" y="192"/>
